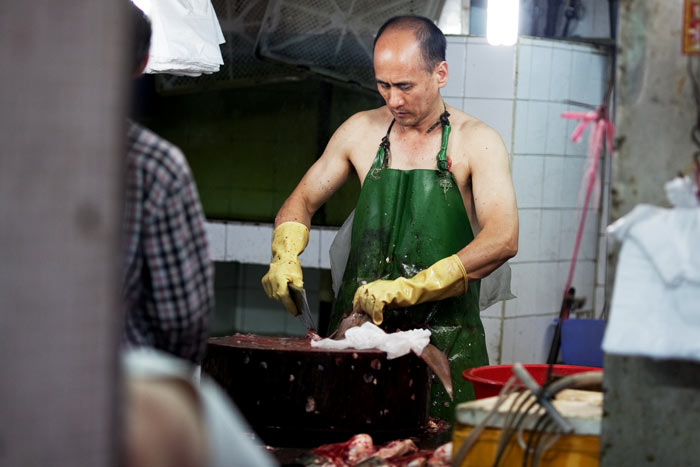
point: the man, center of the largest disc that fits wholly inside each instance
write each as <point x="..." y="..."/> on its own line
<point x="414" y="261"/>
<point x="167" y="276"/>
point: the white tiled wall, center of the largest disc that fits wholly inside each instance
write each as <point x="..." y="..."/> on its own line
<point x="242" y="253"/>
<point x="521" y="92"/>
<point x="242" y="306"/>
<point x="249" y="243"/>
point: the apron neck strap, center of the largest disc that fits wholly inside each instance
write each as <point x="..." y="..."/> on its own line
<point x="381" y="160"/>
<point x="443" y="120"/>
<point x="442" y="163"/>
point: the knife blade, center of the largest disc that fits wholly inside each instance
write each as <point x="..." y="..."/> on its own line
<point x="302" y="303"/>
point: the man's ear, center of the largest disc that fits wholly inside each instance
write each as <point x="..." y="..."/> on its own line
<point x="441" y="74"/>
<point x="142" y="66"/>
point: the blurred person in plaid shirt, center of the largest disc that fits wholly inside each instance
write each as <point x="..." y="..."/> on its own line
<point x="167" y="276"/>
<point x="171" y="415"/>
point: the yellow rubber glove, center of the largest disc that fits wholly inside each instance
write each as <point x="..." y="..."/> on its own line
<point x="444" y="279"/>
<point x="288" y="241"/>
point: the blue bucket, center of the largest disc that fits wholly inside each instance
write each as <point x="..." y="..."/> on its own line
<point x="581" y="341"/>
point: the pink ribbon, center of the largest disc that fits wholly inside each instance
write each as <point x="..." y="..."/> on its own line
<point x="602" y="130"/>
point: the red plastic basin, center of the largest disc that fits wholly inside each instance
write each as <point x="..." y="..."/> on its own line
<point x="489" y="380"/>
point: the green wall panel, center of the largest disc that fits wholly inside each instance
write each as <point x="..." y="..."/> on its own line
<point x="248" y="148"/>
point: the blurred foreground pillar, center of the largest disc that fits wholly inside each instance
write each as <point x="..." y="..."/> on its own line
<point x="62" y="103"/>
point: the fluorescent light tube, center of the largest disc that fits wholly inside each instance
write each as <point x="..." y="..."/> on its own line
<point x="502" y="17"/>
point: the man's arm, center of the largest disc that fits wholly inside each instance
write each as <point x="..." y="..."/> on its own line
<point x="291" y="234"/>
<point x="495" y="205"/>
<point x="324" y="177"/>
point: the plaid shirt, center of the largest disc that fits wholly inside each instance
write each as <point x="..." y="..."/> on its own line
<point x="167" y="276"/>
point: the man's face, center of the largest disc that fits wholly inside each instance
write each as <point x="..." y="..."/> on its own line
<point x="409" y="89"/>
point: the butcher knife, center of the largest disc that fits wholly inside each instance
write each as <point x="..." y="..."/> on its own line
<point x="302" y="303"/>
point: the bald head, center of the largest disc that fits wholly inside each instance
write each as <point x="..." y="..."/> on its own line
<point x="431" y="40"/>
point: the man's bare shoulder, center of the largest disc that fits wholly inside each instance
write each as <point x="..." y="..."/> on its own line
<point x="356" y="140"/>
<point x="374" y="120"/>
<point x="466" y="125"/>
<point x="473" y="134"/>
<point x="361" y="134"/>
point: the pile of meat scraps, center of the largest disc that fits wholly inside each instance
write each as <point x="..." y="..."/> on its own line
<point x="360" y="451"/>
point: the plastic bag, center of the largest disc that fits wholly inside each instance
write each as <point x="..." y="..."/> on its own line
<point x="186" y="38"/>
<point x="682" y="192"/>
<point x="655" y="308"/>
<point x="495" y="287"/>
<point x="339" y="252"/>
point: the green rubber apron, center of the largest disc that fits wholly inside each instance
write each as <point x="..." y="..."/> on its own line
<point x="405" y="221"/>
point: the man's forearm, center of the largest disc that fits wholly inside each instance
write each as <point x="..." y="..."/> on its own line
<point x="487" y="252"/>
<point x="294" y="209"/>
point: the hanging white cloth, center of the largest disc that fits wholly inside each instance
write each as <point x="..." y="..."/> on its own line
<point x="186" y="37"/>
